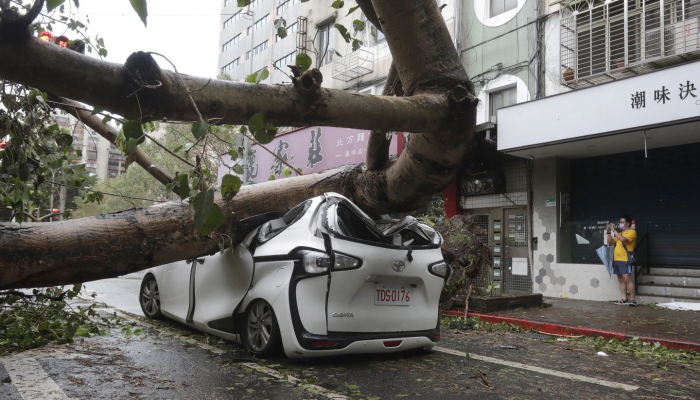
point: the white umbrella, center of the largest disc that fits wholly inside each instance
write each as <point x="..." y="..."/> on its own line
<point x="606" y="255"/>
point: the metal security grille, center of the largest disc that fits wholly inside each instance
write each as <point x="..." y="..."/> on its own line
<point x="603" y="41"/>
<point x="482" y="222"/>
<point x="518" y="274"/>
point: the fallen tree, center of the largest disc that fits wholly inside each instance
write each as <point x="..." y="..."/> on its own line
<point x="437" y="105"/>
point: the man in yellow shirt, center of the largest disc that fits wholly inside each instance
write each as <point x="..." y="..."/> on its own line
<point x="621" y="266"/>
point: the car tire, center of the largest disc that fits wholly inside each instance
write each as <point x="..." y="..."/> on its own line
<point x="261" y="333"/>
<point x="149" y="298"/>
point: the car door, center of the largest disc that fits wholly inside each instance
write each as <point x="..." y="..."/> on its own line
<point x="357" y="296"/>
<point x="219" y="286"/>
<point x="174" y="287"/>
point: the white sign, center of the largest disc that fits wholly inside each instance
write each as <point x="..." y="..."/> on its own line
<point x="518" y="266"/>
<point x="655" y="98"/>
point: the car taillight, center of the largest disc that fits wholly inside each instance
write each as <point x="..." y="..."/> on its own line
<point x="392" y="343"/>
<point x="327" y="343"/>
<point x="440" y="269"/>
<point x="316" y="262"/>
<point x="436" y="338"/>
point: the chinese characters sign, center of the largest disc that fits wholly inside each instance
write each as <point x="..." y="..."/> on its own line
<point x="312" y="149"/>
<point x="663" y="95"/>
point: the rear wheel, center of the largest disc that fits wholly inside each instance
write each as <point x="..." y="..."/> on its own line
<point x="149" y="298"/>
<point x="261" y="334"/>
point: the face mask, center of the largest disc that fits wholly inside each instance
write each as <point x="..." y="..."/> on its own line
<point x="622" y="226"/>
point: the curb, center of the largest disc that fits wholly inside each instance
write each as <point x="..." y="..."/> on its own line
<point x="559" y="329"/>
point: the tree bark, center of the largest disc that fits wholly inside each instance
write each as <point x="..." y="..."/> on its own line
<point x="110" y="133"/>
<point x="114" y="87"/>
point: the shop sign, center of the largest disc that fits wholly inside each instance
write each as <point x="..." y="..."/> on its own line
<point x="551" y="202"/>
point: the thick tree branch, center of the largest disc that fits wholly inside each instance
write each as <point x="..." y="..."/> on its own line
<point x="107" y="86"/>
<point x="144" y="237"/>
<point x="379" y="144"/>
<point x="110" y="133"/>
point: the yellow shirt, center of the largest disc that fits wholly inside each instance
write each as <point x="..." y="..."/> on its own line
<point x="620" y="253"/>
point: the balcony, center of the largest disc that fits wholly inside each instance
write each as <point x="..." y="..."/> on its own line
<point x="353" y="65"/>
<point x="602" y="42"/>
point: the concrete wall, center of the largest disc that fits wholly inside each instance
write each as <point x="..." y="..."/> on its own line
<point x="554" y="276"/>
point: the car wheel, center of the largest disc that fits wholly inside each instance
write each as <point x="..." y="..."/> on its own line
<point x="261" y="334"/>
<point x="149" y="297"/>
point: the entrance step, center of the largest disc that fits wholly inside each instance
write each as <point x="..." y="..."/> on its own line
<point x="653" y="289"/>
<point x="667" y="279"/>
<point x="655" y="299"/>
<point x="674" y="271"/>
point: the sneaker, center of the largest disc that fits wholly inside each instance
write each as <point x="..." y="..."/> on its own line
<point x="621" y="302"/>
<point x="633" y="303"/>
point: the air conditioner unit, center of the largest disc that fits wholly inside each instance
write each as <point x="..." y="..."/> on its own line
<point x="652" y="43"/>
<point x="483" y="183"/>
<point x="675" y="34"/>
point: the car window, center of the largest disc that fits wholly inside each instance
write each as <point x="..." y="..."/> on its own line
<point x="296" y="213"/>
<point x="351" y="225"/>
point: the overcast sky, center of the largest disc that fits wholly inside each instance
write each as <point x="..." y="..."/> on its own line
<point x="185" y="31"/>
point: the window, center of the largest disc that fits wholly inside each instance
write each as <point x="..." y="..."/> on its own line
<point x="326" y="35"/>
<point x="253" y="4"/>
<point x="247" y="55"/>
<point x="285" y="6"/>
<point x="228" y="67"/>
<point x="289" y="59"/>
<point x="227" y="2"/>
<point x="233" y="18"/>
<point x="291" y="30"/>
<point x="601" y="37"/>
<point x="502" y="98"/>
<point x="92" y="165"/>
<point x="258" y="24"/>
<point x="231" y="42"/>
<point x="92" y="148"/>
<point x="498" y="7"/>
<point x="259" y="48"/>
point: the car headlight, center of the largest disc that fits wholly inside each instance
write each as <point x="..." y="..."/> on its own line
<point x="316" y="262"/>
<point x="440" y="269"/>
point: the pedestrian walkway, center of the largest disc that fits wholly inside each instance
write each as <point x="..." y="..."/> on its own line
<point x="641" y="320"/>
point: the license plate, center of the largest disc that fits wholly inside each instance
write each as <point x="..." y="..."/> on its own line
<point x="392" y="296"/>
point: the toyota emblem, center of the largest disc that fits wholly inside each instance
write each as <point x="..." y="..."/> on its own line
<point x="398" y="266"/>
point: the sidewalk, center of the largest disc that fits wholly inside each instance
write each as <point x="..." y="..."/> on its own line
<point x="594" y="316"/>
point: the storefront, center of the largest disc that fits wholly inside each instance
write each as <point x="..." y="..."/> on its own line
<point x="624" y="147"/>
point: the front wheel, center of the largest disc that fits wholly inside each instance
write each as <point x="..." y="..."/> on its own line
<point x="149" y="298"/>
<point x="261" y="334"/>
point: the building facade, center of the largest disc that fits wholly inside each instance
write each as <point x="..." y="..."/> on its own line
<point x="101" y="158"/>
<point x="614" y="132"/>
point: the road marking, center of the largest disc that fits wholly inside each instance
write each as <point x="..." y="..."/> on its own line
<point x="545" y="371"/>
<point x="329" y="394"/>
<point x="30" y="379"/>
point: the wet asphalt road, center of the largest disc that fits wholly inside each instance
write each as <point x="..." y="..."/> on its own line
<point x="171" y="361"/>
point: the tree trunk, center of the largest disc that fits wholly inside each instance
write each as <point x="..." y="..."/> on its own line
<point x="439" y="102"/>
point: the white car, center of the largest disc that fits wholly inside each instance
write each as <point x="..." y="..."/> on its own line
<point x="324" y="279"/>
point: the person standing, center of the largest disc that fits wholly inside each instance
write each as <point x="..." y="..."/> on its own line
<point x="624" y="242"/>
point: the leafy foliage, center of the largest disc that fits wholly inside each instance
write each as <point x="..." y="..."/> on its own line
<point x="29" y="321"/>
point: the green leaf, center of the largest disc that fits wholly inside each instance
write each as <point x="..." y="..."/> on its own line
<point x="64" y="140"/>
<point x="203" y="203"/>
<point x="252" y="78"/>
<point x="238" y="169"/>
<point x="199" y="129"/>
<point x="148" y="127"/>
<point x="243" y="3"/>
<point x="262" y="132"/>
<point x="358" y="25"/>
<point x="96" y="110"/>
<point x="303" y="62"/>
<point x="343" y="32"/>
<point x="133" y="129"/>
<point x="356" y="44"/>
<point x="52" y="4"/>
<point x="299" y="170"/>
<point x="52" y="128"/>
<point x="141" y="9"/>
<point x="262" y="75"/>
<point x="43" y="326"/>
<point x="256" y="122"/>
<point x="287" y="172"/>
<point x="178" y="148"/>
<point x="281" y="26"/>
<point x="106" y="119"/>
<point x="183" y="189"/>
<point x="233" y="154"/>
<point x="337" y="54"/>
<point x="271" y="178"/>
<point x="230" y="185"/>
<point x="216" y="218"/>
<point x="352" y="10"/>
<point x="131" y="146"/>
<point x="102" y="52"/>
<point x="338" y="4"/>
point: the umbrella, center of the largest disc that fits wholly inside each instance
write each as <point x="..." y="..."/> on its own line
<point x="606" y="256"/>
